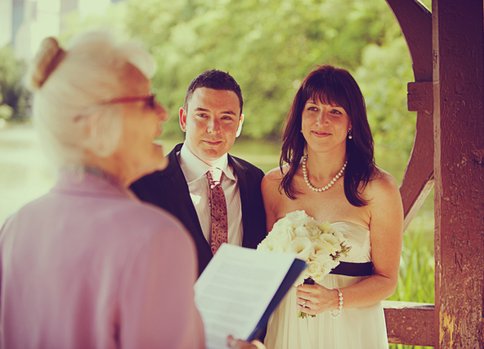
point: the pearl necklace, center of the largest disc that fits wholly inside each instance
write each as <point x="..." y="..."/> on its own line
<point x="327" y="186"/>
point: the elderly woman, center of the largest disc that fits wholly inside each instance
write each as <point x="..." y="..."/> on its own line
<point x="86" y="265"/>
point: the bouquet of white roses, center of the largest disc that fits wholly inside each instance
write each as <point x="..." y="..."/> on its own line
<point x="319" y="244"/>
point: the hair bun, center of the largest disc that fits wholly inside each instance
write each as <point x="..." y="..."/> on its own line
<point x="48" y="57"/>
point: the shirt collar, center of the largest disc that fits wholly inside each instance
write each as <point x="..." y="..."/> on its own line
<point x="194" y="168"/>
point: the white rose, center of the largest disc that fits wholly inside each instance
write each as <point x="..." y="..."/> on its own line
<point x="321" y="267"/>
<point x="316" y="271"/>
<point x="270" y="245"/>
<point x="326" y="263"/>
<point x="318" y="248"/>
<point x="300" y="231"/>
<point x="313" y="231"/>
<point x="281" y="224"/>
<point x="330" y="243"/>
<point x="281" y="236"/>
<point x="326" y="227"/>
<point x="302" y="247"/>
<point x="297" y="218"/>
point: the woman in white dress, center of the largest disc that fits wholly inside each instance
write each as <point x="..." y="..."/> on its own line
<point x="327" y="169"/>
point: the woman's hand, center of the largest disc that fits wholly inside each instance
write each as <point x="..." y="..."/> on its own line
<point x="240" y="344"/>
<point x="314" y="299"/>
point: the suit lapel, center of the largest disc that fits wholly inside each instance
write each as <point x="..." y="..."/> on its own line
<point x="240" y="171"/>
<point x="184" y="204"/>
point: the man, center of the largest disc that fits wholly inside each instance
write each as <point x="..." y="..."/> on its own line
<point x="189" y="187"/>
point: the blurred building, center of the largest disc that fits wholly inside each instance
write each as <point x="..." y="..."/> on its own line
<point x="24" y="23"/>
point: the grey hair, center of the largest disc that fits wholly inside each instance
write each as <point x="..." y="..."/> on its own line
<point x="68" y="86"/>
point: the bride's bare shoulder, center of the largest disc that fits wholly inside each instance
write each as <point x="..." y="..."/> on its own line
<point x="382" y="186"/>
<point x="276" y="174"/>
<point x="272" y="181"/>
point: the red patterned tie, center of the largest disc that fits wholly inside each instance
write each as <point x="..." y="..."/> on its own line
<point x="218" y="210"/>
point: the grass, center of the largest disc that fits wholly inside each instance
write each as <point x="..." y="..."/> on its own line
<point x="416" y="277"/>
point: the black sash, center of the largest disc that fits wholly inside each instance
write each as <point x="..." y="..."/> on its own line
<point x="353" y="269"/>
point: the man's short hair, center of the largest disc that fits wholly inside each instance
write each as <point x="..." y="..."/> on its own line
<point x="217" y="80"/>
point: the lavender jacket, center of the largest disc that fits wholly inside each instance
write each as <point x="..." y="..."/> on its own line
<point x="88" y="266"/>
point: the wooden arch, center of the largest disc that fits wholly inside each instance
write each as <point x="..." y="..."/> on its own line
<point x="446" y="47"/>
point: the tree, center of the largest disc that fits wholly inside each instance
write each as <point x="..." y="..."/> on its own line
<point x="13" y="95"/>
<point x="269" y="46"/>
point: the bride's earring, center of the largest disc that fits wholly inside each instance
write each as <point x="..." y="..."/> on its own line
<point x="350" y="135"/>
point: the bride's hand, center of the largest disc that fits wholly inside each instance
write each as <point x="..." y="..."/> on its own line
<point x="233" y="343"/>
<point x="314" y="299"/>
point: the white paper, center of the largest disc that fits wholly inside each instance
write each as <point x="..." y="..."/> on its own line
<point x="235" y="289"/>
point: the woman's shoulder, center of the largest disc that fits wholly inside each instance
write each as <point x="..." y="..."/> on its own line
<point x="145" y="220"/>
<point x="272" y="179"/>
<point x="143" y="226"/>
<point x="276" y="174"/>
<point x="382" y="186"/>
<point x="382" y="178"/>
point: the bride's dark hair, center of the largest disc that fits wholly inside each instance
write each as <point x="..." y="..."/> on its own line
<point x="335" y="86"/>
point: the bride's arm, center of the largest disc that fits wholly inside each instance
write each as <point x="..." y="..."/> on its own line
<point x="386" y="233"/>
<point x="386" y="230"/>
<point x="271" y="196"/>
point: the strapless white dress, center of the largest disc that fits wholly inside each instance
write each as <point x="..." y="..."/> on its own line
<point x="355" y="328"/>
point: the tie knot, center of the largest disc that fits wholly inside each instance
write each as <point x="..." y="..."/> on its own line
<point x="214" y="176"/>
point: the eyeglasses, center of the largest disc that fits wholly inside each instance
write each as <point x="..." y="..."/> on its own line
<point x="150" y="100"/>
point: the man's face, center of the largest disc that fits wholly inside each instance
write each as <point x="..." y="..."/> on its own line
<point x="211" y="122"/>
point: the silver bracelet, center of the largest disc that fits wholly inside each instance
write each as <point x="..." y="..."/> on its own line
<point x="337" y="312"/>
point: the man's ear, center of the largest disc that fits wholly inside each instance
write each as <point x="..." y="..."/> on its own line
<point x="241" y="122"/>
<point x="182" y="119"/>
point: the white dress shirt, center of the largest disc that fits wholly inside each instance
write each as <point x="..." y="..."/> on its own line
<point x="195" y="171"/>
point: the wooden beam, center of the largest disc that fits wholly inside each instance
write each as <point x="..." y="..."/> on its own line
<point x="420" y="97"/>
<point x="418" y="179"/>
<point x="416" y="24"/>
<point x="458" y="46"/>
<point x="410" y="323"/>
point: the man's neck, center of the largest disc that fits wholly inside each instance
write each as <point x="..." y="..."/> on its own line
<point x="220" y="162"/>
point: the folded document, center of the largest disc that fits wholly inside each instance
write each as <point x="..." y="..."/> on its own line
<point x="239" y="290"/>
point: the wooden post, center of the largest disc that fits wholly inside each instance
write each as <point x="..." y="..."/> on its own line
<point x="458" y="44"/>
<point x="412" y="323"/>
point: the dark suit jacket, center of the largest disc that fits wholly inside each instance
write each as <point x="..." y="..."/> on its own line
<point x="168" y="189"/>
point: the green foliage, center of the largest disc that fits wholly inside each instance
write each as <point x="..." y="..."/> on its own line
<point x="416" y="279"/>
<point x="401" y="346"/>
<point x="269" y="46"/>
<point x="383" y="78"/>
<point x="113" y="20"/>
<point x="13" y="96"/>
<point x="427" y="4"/>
